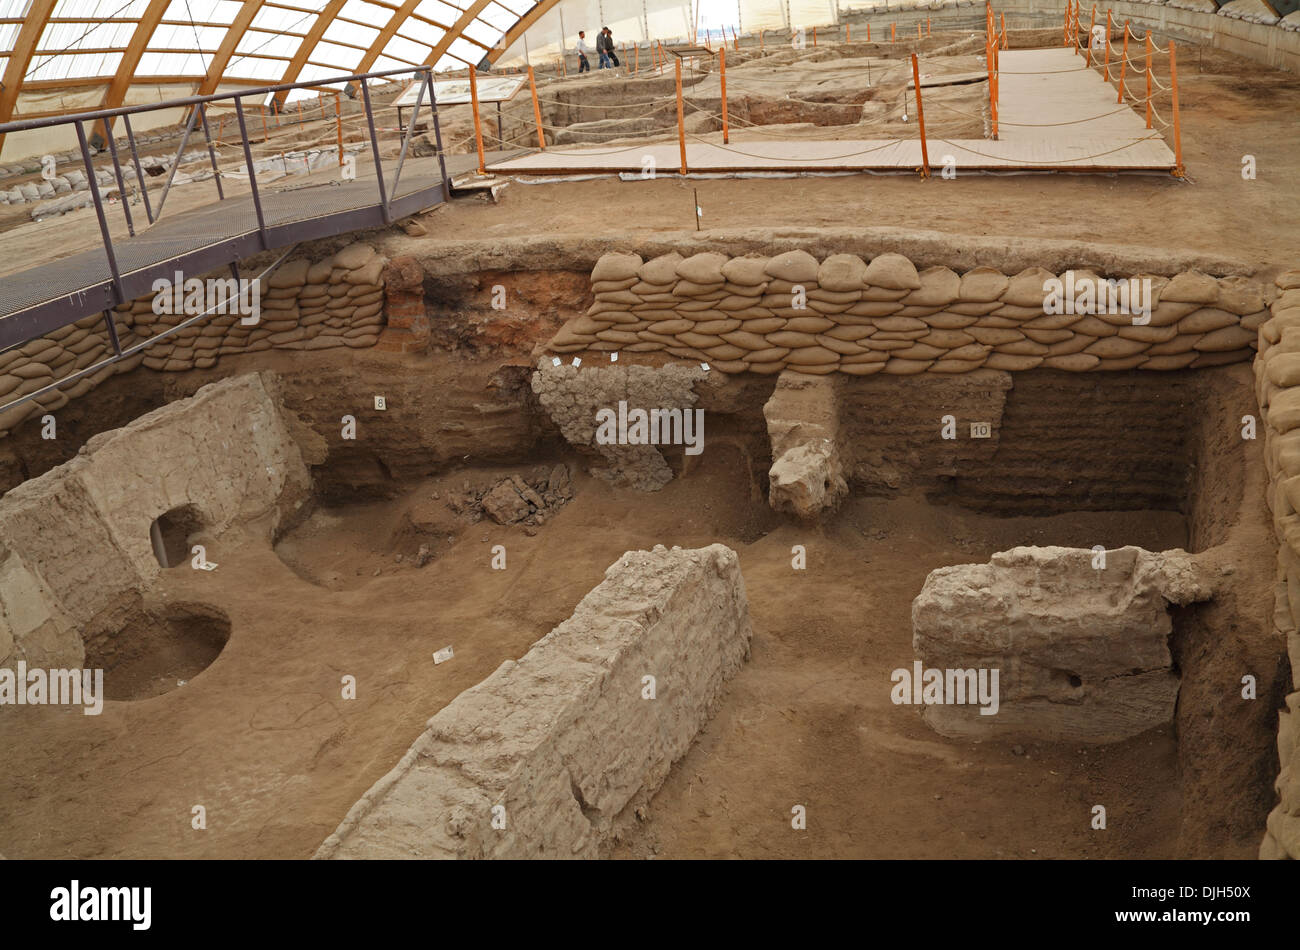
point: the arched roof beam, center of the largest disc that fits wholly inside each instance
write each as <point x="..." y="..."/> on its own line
<point x="238" y="27"/>
<point x="523" y="25"/>
<point x="21" y="56"/>
<point x="140" y="38"/>
<point x="314" y="35"/>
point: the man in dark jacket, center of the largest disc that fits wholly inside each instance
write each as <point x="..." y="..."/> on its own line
<point x="609" y="47"/>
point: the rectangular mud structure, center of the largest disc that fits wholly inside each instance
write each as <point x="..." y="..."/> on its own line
<point x="548" y="754"/>
<point x="219" y="461"/>
<point x="1079" y="639"/>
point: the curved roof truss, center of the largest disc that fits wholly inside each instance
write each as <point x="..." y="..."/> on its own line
<point x="63" y="56"/>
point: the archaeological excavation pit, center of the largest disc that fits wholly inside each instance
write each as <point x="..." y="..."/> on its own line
<point x="688" y="475"/>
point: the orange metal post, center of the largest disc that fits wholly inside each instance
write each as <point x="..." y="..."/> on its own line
<point x="1178" y="134"/>
<point x="722" y="67"/>
<point x="1107" y="46"/>
<point x="1004" y="30"/>
<point x="927" y="26"/>
<point x="1148" y="79"/>
<point x="681" y="116"/>
<point x="1123" y="66"/>
<point x="918" y="29"/>
<point x="636" y="59"/>
<point x="993" y="86"/>
<point x="814" y="36"/>
<point x="1090" y="26"/>
<point x="537" y="110"/>
<point x="868" y="32"/>
<point x="893" y="31"/>
<point x="478" y="127"/>
<point x="846" y="32"/>
<point x="920" y="118"/>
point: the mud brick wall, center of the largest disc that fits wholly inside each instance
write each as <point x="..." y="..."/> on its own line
<point x="886" y="317"/>
<point x="1277" y="381"/>
<point x="335" y="302"/>
<point x="564" y="739"/>
<point x="75" y="541"/>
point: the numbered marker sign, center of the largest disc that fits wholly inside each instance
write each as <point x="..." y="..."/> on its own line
<point x="981" y="430"/>
<point x="443" y="655"/>
<point x="381" y="402"/>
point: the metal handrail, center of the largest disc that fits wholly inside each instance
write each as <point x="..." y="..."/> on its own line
<point x="46" y="122"/>
<point x="198" y="111"/>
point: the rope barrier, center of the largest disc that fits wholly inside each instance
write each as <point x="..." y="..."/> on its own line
<point x="785" y="158"/>
<point x="1079" y="158"/>
<point x="613" y="151"/>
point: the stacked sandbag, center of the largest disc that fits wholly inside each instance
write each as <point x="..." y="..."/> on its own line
<point x="842" y="314"/>
<point x="1252" y="11"/>
<point x="1277" y="382"/>
<point x="336" y="302"/>
<point x="38" y="363"/>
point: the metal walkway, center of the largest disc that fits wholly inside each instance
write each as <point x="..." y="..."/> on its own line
<point x="200" y="240"/>
<point x="43" y="298"/>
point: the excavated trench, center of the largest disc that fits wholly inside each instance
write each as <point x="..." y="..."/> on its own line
<point x="1076" y="459"/>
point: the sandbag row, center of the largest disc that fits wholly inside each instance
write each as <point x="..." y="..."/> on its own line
<point x="336" y="302"/>
<point x="744" y="314"/>
<point x="1277" y="387"/>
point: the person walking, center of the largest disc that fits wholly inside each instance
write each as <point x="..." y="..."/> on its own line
<point x="609" y="48"/>
<point x="583" y="65"/>
<point x="603" y="47"/>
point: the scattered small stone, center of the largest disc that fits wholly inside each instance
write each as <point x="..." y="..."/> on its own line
<point x="1017" y="750"/>
<point x="423" y="556"/>
<point x="505" y="504"/>
<point x="376" y="574"/>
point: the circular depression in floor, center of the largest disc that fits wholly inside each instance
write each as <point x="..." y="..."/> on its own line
<point x="158" y="649"/>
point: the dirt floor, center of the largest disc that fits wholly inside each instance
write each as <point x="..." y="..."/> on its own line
<point x="263" y="740"/>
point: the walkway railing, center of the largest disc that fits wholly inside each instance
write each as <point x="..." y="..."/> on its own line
<point x="28" y="312"/>
<point x="1084" y="42"/>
